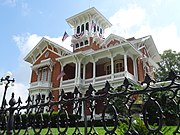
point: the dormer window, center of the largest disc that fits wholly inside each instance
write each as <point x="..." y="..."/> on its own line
<point x="87" y="26"/>
<point x="81" y="44"/>
<point x="82" y="27"/>
<point x="86" y="42"/>
<point x="97" y="28"/>
<point x="78" y="29"/>
<point x="77" y="45"/>
<point x="101" y="30"/>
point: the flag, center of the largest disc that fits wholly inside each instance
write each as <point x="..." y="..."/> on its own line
<point x="60" y="75"/>
<point x="65" y="36"/>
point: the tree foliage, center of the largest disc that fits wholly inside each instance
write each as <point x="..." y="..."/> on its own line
<point x="170" y="61"/>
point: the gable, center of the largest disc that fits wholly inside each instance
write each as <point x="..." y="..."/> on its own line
<point x="112" y="40"/>
<point x="46" y="55"/>
<point x="39" y="49"/>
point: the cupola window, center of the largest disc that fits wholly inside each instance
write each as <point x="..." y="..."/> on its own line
<point x="82" y="28"/>
<point x="86" y="42"/>
<point x="97" y="28"/>
<point x="78" y="29"/>
<point x="101" y="30"/>
<point x="77" y="45"/>
<point x="87" y="26"/>
<point x="81" y="44"/>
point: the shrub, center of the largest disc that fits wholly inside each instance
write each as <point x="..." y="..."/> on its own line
<point x="137" y="123"/>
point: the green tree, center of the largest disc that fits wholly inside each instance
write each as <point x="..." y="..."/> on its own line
<point x="170" y="61"/>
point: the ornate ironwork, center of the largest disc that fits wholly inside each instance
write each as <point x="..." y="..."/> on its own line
<point x="149" y="98"/>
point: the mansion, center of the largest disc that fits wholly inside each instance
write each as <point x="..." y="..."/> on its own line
<point x="94" y="60"/>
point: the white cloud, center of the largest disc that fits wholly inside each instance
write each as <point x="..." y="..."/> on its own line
<point x="127" y="18"/>
<point x="19" y="90"/>
<point x="134" y="22"/>
<point x="9" y="2"/>
<point x="164" y="37"/>
<point x="26" y="42"/>
<point x="66" y="44"/>
<point x="25" y="9"/>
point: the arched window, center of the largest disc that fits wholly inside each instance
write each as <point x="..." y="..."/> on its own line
<point x="94" y="28"/>
<point x="78" y="29"/>
<point x="77" y="45"/>
<point x="82" y="27"/>
<point x="108" y="69"/>
<point x="97" y="28"/>
<point x="87" y="26"/>
<point x="101" y="30"/>
<point x="119" y="66"/>
<point x="86" y="42"/>
<point x="81" y="44"/>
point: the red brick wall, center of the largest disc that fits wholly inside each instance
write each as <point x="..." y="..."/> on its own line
<point x="55" y="72"/>
<point x="56" y="68"/>
<point x="55" y="93"/>
<point x="113" y="42"/>
<point x="92" y="45"/>
<point x="99" y="106"/>
<point x="33" y="76"/>
<point x="130" y="65"/>
<point x="69" y="72"/>
<point x="140" y="70"/>
<point x="100" y="70"/>
<point x="89" y="70"/>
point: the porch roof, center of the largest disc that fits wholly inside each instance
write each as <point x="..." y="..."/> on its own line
<point x="101" y="53"/>
<point x="38" y="49"/>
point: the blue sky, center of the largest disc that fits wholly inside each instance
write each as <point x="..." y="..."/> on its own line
<point x="24" y="22"/>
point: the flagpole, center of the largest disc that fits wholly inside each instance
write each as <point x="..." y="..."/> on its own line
<point x="90" y="3"/>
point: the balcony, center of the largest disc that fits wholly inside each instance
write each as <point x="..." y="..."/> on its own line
<point x="97" y="82"/>
<point x="41" y="84"/>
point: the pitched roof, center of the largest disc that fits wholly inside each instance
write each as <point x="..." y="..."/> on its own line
<point x="41" y="45"/>
<point x="89" y="13"/>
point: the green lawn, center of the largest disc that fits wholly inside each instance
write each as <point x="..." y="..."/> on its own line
<point x="100" y="130"/>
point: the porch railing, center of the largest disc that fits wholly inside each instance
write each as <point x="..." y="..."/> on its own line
<point x="114" y="106"/>
<point x="41" y="84"/>
<point x="99" y="79"/>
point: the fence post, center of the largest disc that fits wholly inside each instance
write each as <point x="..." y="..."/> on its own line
<point x="10" y="122"/>
<point x="85" y="117"/>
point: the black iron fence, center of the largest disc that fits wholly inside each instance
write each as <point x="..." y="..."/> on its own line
<point x="144" y="108"/>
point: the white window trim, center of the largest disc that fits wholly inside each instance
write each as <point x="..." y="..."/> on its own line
<point x="116" y="62"/>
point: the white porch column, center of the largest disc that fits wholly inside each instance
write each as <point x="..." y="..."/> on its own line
<point x="84" y="72"/>
<point x="79" y="71"/>
<point x="135" y="69"/>
<point x="61" y="78"/>
<point x="112" y="68"/>
<point x="125" y="65"/>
